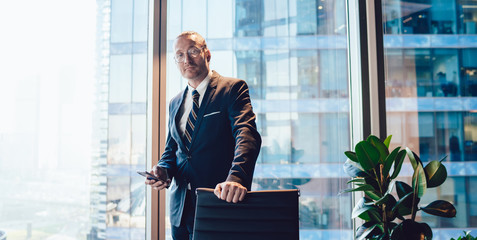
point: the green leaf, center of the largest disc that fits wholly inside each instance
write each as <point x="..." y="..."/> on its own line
<point x="398" y="163"/>
<point x="419" y="182"/>
<point x="386" y="196"/>
<point x="440" y="208"/>
<point x="373" y="195"/>
<point x="426" y="230"/>
<point x="373" y="182"/>
<point x="352" y="156"/>
<point x="390" y="203"/>
<point x="360" y="208"/>
<point x="387" y="141"/>
<point x="389" y="161"/>
<point x="365" y="187"/>
<point x="413" y="158"/>
<point x="364" y="230"/>
<point x="383" y="199"/>
<point x="404" y="205"/>
<point x="368" y="155"/>
<point x="436" y="174"/>
<point x="382" y="149"/>
<point x="397" y="232"/>
<point x="409" y="229"/>
<point x="353" y="169"/>
<point x="402" y="189"/>
<point x="365" y="212"/>
<point x="356" y="180"/>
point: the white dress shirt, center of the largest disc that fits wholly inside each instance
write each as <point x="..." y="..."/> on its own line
<point x="187" y="106"/>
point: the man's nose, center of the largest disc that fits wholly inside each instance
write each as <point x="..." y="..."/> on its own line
<point x="187" y="59"/>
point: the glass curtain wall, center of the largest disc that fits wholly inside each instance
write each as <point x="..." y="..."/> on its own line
<point x="293" y="56"/>
<point x="46" y="101"/>
<point x="73" y="95"/>
<point x="117" y="192"/>
<point x="430" y="49"/>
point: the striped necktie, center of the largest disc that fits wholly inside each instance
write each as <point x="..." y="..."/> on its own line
<point x="192" y="119"/>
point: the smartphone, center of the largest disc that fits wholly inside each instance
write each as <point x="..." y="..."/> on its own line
<point x="148" y="175"/>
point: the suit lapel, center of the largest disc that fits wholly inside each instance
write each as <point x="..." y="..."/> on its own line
<point x="175" y="128"/>
<point x="209" y="93"/>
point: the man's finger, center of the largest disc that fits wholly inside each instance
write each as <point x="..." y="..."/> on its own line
<point x="232" y="192"/>
<point x="154" y="170"/>
<point x="159" y="185"/>
<point x="150" y="182"/>
<point x="218" y="190"/>
<point x="242" y="195"/>
<point x="225" y="192"/>
<point x="236" y="196"/>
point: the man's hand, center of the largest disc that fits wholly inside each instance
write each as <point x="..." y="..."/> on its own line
<point x="230" y="191"/>
<point x="160" y="173"/>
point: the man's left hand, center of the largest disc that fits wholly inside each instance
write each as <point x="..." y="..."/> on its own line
<point x="230" y="191"/>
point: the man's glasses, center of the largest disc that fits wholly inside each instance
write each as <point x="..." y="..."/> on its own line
<point x="193" y="52"/>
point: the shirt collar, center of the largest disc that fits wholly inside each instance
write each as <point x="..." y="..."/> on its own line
<point x="202" y="86"/>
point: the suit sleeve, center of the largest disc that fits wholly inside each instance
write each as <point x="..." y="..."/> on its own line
<point x="244" y="131"/>
<point x="168" y="157"/>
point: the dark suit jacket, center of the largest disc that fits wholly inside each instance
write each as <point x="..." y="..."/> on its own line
<point x="225" y="143"/>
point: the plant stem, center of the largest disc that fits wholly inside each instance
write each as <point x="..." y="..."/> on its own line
<point x="385" y="222"/>
<point x="378" y="181"/>
<point x="414" y="196"/>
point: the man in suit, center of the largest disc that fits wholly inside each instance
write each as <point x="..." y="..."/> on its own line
<point x="212" y="140"/>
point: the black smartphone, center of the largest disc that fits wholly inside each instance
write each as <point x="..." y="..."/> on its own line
<point x="148" y="175"/>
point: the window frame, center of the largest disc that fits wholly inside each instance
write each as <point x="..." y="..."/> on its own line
<point x="366" y="68"/>
<point x="156" y="207"/>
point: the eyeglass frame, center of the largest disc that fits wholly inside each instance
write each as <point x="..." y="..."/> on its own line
<point x="191" y="55"/>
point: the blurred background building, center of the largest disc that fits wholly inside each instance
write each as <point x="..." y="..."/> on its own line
<point x="294" y="56"/>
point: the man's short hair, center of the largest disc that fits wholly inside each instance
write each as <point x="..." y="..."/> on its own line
<point x="199" y="39"/>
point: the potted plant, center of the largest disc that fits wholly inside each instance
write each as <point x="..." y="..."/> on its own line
<point x="466" y="236"/>
<point x="374" y="168"/>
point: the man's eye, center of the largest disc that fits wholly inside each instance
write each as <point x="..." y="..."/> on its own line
<point x="179" y="55"/>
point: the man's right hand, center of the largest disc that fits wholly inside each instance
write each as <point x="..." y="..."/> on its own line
<point x="160" y="173"/>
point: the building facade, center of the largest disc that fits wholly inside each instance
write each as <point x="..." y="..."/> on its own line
<point x="293" y="54"/>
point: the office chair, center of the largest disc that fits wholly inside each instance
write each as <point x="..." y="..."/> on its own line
<point x="262" y="215"/>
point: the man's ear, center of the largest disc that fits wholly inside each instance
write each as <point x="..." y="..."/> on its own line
<point x="208" y="55"/>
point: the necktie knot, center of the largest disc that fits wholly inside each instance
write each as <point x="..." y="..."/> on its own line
<point x="195" y="94"/>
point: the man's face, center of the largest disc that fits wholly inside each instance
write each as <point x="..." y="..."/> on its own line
<point x="193" y="58"/>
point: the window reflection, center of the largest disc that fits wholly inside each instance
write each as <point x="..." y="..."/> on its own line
<point x="248" y="20"/>
<point x="293" y="56"/>
<point x="430" y="95"/>
<point x="430" y="17"/>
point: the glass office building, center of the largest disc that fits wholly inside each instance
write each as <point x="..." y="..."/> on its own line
<point x="294" y="55"/>
<point x="430" y="50"/>
<point x="117" y="193"/>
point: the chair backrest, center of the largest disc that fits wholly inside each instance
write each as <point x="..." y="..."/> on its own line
<point x="262" y="215"/>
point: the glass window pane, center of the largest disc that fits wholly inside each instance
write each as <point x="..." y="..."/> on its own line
<point x="119" y="139"/>
<point x="141" y="18"/>
<point x="430" y="99"/>
<point x="298" y="80"/>
<point x="121" y="20"/>
<point x="139" y="86"/>
<point x="219" y="24"/>
<point x="73" y="126"/>
<point x="120" y="78"/>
